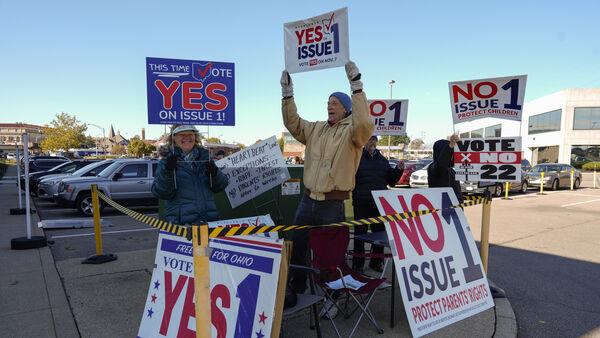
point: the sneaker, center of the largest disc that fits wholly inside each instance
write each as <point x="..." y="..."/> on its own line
<point x="329" y="310"/>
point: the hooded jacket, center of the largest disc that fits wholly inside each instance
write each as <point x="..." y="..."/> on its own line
<point x="193" y="201"/>
<point x="332" y="152"/>
<point x="374" y="173"/>
<point x="440" y="172"/>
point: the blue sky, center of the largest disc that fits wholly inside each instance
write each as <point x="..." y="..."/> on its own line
<point x="88" y="58"/>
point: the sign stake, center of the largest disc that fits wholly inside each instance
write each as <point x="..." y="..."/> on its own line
<point x="201" y="281"/>
<point x="485" y="230"/>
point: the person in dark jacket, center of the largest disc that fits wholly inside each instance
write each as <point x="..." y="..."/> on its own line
<point x="374" y="173"/>
<point x="440" y="172"/>
<point x="187" y="179"/>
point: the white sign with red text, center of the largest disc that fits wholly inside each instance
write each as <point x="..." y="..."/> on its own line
<point x="389" y="116"/>
<point x="494" y="159"/>
<point x="440" y="272"/>
<point x="244" y="272"/>
<point x="500" y="97"/>
<point x="317" y="43"/>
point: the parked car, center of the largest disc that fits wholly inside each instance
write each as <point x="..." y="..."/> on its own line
<point x="126" y="181"/>
<point x="498" y="189"/>
<point x="43" y="164"/>
<point x="63" y="168"/>
<point x="418" y="179"/>
<point x="556" y="175"/>
<point x="409" y="168"/>
<point x="11" y="156"/>
<point x="48" y="185"/>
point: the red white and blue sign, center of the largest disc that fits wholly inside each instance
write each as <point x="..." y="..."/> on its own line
<point x="244" y="272"/>
<point x="317" y="43"/>
<point x="190" y="92"/>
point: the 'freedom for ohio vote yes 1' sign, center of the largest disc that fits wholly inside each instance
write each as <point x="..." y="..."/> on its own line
<point x="494" y="159"/>
<point x="441" y="276"/>
<point x="389" y="116"/>
<point x="190" y="92"/>
<point x="244" y="274"/>
<point x="317" y="43"/>
<point x="500" y="97"/>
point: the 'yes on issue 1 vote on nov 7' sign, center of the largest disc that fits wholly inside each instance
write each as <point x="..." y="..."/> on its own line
<point x="244" y="274"/>
<point x="317" y="43"/>
<point x="389" y="116"/>
<point x="253" y="170"/>
<point x="190" y="92"/>
<point x="494" y="159"/>
<point x="441" y="276"/>
<point x="500" y="97"/>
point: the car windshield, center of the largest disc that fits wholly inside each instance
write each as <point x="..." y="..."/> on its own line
<point x="544" y="168"/>
<point x="110" y="169"/>
<point x="60" y="167"/>
<point x="85" y="169"/>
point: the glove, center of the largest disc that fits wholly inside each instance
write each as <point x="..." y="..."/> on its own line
<point x="172" y="162"/>
<point x="353" y="76"/>
<point x="287" y="87"/>
<point x="211" y="168"/>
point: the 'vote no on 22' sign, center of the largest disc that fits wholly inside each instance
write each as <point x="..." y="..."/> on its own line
<point x="389" y="116"/>
<point x="500" y="97"/>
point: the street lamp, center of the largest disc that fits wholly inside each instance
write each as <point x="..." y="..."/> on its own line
<point x="391" y="83"/>
<point x="97" y="126"/>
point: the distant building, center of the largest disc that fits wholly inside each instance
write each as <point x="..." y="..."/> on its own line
<point x="227" y="148"/>
<point x="10" y="135"/>
<point x="291" y="147"/>
<point x="561" y="127"/>
<point x="113" y="140"/>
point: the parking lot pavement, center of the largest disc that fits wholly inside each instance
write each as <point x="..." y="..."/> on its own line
<point x="545" y="253"/>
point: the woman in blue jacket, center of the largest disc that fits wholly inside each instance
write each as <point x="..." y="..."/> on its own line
<point x="187" y="180"/>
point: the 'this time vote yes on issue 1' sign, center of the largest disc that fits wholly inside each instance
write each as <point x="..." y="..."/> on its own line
<point x="253" y="170"/>
<point x="500" y="97"/>
<point x="244" y="272"/>
<point x="190" y="92"/>
<point x="440" y="271"/>
<point x="495" y="159"/>
<point x="317" y="43"/>
<point x="389" y="116"/>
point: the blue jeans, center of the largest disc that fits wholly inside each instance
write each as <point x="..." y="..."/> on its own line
<point x="310" y="212"/>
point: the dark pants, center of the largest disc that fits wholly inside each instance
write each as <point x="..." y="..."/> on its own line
<point x="360" y="212"/>
<point x="310" y="212"/>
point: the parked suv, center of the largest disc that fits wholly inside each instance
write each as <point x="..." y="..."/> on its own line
<point x="48" y="185"/>
<point x="63" y="168"/>
<point x="127" y="181"/>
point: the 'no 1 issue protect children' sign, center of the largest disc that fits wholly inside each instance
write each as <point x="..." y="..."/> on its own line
<point x="500" y="97"/>
<point x="190" y="92"/>
<point x="317" y="43"/>
<point x="389" y="116"/>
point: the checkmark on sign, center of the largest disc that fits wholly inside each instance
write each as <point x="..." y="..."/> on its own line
<point x="200" y="71"/>
<point x="327" y="23"/>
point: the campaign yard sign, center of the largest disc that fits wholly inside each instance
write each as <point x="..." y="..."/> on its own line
<point x="389" y="116"/>
<point x="500" y="97"/>
<point x="244" y="272"/>
<point x="317" y="43"/>
<point x="441" y="276"/>
<point x="495" y="159"/>
<point x="253" y="170"/>
<point x="190" y="92"/>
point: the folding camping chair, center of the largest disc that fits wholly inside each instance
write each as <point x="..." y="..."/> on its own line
<point x="334" y="276"/>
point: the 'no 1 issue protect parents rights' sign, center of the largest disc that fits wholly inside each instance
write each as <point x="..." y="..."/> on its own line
<point x="190" y="92"/>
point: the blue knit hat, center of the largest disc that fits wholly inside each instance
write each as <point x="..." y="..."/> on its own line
<point x="345" y="100"/>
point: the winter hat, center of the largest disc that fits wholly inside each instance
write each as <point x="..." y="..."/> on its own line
<point x="345" y="100"/>
<point x="185" y="128"/>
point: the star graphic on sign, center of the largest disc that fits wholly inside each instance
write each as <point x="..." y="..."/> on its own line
<point x="156" y="285"/>
<point x="154" y="298"/>
<point x="259" y="334"/>
<point x="150" y="312"/>
<point x="262" y="318"/>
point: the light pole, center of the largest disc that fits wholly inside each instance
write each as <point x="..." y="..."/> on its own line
<point x="97" y="126"/>
<point x="391" y="83"/>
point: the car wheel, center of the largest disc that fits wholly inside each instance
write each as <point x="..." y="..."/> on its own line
<point x="523" y="187"/>
<point x="498" y="190"/>
<point x="84" y="204"/>
<point x="555" y="184"/>
<point x="576" y="184"/>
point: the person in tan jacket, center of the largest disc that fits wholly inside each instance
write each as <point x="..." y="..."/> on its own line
<point x="332" y="155"/>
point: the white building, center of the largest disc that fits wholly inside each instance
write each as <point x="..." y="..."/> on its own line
<point x="561" y="127"/>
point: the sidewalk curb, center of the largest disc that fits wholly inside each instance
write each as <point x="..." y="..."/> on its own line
<point x="505" y="321"/>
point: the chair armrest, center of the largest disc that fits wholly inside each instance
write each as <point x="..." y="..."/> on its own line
<point x="373" y="255"/>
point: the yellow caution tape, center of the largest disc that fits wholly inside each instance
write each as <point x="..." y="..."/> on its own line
<point x="230" y="231"/>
